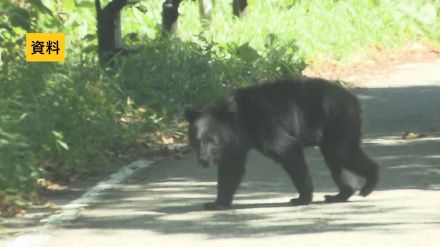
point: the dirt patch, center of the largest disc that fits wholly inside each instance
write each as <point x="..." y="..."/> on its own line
<point x="375" y="61"/>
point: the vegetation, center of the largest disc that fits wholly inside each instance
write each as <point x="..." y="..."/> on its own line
<point x="64" y="120"/>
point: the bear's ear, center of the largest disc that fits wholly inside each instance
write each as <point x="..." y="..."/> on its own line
<point x="191" y="114"/>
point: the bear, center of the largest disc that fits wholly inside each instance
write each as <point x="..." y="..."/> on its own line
<point x="280" y="119"/>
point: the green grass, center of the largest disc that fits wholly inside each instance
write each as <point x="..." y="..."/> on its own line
<point x="318" y="28"/>
<point x="72" y="119"/>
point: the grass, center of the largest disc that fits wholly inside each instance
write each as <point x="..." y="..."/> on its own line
<point x="65" y="121"/>
<point x="319" y="28"/>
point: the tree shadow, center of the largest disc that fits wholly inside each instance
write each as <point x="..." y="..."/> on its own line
<point x="168" y="197"/>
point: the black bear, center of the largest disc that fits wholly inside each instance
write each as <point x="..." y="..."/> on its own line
<point x="280" y="119"/>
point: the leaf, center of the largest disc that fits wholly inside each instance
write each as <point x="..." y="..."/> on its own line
<point x="141" y="8"/>
<point x="69" y="5"/>
<point x="19" y="17"/>
<point x="409" y="135"/>
<point x="90" y="37"/>
<point x="63" y="144"/>
<point x="23" y="116"/>
<point x="167" y="140"/>
<point x="247" y="53"/>
<point x="38" y="4"/>
<point x="85" y="4"/>
<point x="58" y="135"/>
<point x="58" y="139"/>
<point x="90" y="48"/>
<point x="270" y="40"/>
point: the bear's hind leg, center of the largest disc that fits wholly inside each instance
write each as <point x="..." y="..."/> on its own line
<point x="365" y="167"/>
<point x="335" y="160"/>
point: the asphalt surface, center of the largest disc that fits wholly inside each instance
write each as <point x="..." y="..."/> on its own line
<point x="162" y="205"/>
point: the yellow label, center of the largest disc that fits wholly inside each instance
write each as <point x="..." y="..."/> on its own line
<point x="45" y="47"/>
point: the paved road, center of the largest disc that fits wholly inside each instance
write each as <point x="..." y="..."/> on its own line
<point x="161" y="205"/>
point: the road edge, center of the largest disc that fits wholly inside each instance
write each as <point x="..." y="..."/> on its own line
<point x="71" y="210"/>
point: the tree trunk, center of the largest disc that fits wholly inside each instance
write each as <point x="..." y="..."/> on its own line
<point x="205" y="10"/>
<point x="239" y="7"/>
<point x="109" y="29"/>
<point x="170" y="13"/>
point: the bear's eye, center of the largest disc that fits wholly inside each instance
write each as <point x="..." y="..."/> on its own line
<point x="212" y="139"/>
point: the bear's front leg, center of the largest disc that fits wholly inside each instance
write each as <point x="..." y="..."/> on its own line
<point x="229" y="176"/>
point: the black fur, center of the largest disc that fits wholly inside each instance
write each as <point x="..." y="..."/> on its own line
<point x="280" y="119"/>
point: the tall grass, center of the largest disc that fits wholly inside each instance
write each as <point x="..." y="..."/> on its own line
<point x="318" y="28"/>
<point x="56" y="119"/>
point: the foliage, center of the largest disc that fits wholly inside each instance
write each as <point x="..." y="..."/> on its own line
<point x="318" y="28"/>
<point x="167" y="74"/>
<point x="71" y="119"/>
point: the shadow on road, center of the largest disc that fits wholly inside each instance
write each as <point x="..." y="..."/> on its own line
<point x="389" y="111"/>
<point x="168" y="197"/>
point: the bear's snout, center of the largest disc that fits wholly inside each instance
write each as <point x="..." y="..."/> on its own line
<point x="207" y="161"/>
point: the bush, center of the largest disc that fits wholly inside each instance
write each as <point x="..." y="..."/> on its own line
<point x="165" y="75"/>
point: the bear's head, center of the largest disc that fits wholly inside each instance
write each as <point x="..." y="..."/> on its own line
<point x="211" y="132"/>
